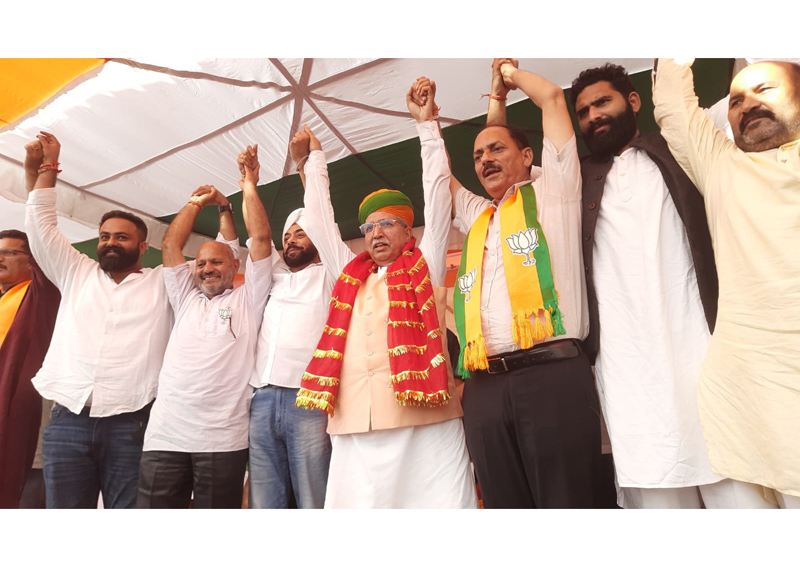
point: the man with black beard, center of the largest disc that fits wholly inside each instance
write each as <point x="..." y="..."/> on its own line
<point x="112" y="328"/>
<point x="289" y="449"/>
<point x="652" y="288"/>
<point x="748" y="395"/>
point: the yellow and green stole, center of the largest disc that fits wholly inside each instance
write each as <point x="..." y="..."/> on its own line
<point x="416" y="361"/>
<point x="529" y="275"/>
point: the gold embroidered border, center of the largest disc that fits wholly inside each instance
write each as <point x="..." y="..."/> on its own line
<point x="435" y="334"/>
<point x="410" y="375"/>
<point x="428" y="304"/>
<point x="418" y="266"/>
<point x="416" y="398"/>
<point x="340" y="304"/>
<point x="335" y="331"/>
<point x="307" y="399"/>
<point x="321" y="380"/>
<point x="406" y="304"/>
<point x="423" y="283"/>
<point x="328" y="354"/>
<point x="437" y="360"/>
<point x="402" y="286"/>
<point x="350" y="279"/>
<point x="403" y="349"/>
<point x="415" y="324"/>
<point x="399" y="272"/>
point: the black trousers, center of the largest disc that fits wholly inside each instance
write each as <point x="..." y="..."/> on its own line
<point x="534" y="435"/>
<point x="167" y="479"/>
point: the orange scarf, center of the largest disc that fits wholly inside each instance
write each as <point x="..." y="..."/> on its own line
<point x="9" y="305"/>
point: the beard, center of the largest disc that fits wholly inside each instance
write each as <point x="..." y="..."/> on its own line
<point x="621" y="130"/>
<point x="122" y="261"/>
<point x="770" y="133"/>
<point x="305" y="256"/>
<point x="224" y="282"/>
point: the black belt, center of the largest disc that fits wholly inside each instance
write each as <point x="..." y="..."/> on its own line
<point x="545" y="352"/>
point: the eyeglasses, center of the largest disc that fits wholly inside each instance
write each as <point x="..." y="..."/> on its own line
<point x="6" y="252"/>
<point x="368" y="227"/>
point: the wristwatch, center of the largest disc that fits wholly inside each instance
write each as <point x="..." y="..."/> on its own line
<point x="228" y="207"/>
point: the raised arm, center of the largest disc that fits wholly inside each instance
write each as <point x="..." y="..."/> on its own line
<point x="556" y="123"/>
<point x="693" y="139"/>
<point x="255" y="216"/>
<point x="55" y="255"/>
<point x="417" y="102"/>
<point x="181" y="226"/>
<point x="498" y="94"/>
<point x="435" y="178"/>
<point x="320" y="223"/>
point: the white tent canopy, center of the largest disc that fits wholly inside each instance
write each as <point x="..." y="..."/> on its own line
<point x="141" y="135"/>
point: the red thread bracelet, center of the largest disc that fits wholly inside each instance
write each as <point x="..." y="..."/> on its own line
<point x="49" y="167"/>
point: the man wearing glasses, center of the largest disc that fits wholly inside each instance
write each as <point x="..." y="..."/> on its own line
<point x="380" y="369"/>
<point x="28" y="307"/>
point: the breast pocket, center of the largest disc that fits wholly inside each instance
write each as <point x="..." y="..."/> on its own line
<point x="222" y="323"/>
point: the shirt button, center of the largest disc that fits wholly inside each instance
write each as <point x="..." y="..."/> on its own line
<point x="587" y="237"/>
<point x="592" y="206"/>
<point x="598" y="177"/>
<point x="491" y="253"/>
<point x="369" y="353"/>
<point x="371" y="373"/>
<point x="369" y="332"/>
<point x="369" y="297"/>
<point x="783" y="160"/>
<point x="483" y="308"/>
<point x="368" y="313"/>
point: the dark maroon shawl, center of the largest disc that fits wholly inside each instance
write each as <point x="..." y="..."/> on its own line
<point x="21" y="356"/>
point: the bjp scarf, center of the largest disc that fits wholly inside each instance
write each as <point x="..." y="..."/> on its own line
<point x="530" y="280"/>
<point x="416" y="362"/>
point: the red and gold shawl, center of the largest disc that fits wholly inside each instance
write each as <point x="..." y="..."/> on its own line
<point x="418" y="372"/>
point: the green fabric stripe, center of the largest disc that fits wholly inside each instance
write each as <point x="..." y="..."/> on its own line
<point x="458" y="312"/>
<point x="542" y="252"/>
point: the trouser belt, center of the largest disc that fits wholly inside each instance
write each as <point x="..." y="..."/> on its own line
<point x="545" y="352"/>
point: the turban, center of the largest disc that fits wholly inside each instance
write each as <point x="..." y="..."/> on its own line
<point x="295" y="217"/>
<point x="389" y="201"/>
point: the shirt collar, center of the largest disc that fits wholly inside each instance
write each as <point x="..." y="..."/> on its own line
<point x="535" y="173"/>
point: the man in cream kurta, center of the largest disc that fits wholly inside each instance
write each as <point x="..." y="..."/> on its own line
<point x="386" y="455"/>
<point x="749" y="391"/>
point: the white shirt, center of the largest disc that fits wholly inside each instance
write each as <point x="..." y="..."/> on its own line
<point x="654" y="332"/>
<point x="203" y="402"/>
<point x="557" y="185"/>
<point x="293" y="321"/>
<point x="109" y="338"/>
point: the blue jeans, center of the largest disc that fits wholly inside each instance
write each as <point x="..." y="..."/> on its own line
<point x="289" y="451"/>
<point x="84" y="456"/>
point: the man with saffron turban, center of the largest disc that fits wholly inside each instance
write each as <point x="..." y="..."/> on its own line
<point x="531" y="412"/>
<point x="380" y="369"/>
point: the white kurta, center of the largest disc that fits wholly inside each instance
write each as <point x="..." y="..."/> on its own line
<point x="425" y="466"/>
<point x="203" y="402"/>
<point x="654" y="334"/>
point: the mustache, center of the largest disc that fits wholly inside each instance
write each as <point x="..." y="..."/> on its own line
<point x="379" y="240"/>
<point x="748" y="117"/>
<point x="291" y="247"/>
<point x="489" y="167"/>
<point x="112" y="248"/>
<point x="598" y="123"/>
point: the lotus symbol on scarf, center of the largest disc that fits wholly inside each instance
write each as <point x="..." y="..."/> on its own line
<point x="524" y="243"/>
<point x="466" y="282"/>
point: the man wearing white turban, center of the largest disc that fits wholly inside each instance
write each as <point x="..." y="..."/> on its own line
<point x="289" y="448"/>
